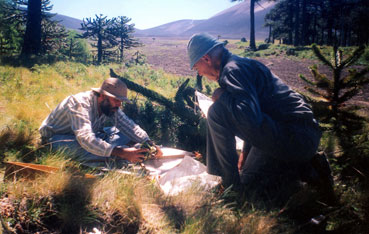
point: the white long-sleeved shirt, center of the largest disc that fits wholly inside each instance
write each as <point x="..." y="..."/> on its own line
<point x="78" y="115"/>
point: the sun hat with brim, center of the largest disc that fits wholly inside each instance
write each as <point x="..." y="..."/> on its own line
<point x="199" y="45"/>
<point x="114" y="88"/>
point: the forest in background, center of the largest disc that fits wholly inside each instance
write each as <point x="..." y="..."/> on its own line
<point x="324" y="22"/>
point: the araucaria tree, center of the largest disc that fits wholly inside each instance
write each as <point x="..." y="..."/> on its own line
<point x="32" y="37"/>
<point x="10" y="29"/>
<point x="54" y="37"/>
<point x="27" y="24"/>
<point x="330" y="96"/>
<point x="252" y="23"/>
<point x="99" y="30"/>
<point x="122" y="31"/>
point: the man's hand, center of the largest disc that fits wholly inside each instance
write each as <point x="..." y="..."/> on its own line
<point x="159" y="153"/>
<point x="217" y="93"/>
<point x="241" y="161"/>
<point x="131" y="154"/>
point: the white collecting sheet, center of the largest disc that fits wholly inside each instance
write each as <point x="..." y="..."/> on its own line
<point x="204" y="103"/>
<point x="178" y="171"/>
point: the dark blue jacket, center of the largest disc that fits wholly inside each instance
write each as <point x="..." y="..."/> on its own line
<point x="253" y="93"/>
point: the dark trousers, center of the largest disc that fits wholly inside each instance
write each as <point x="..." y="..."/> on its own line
<point x="278" y="150"/>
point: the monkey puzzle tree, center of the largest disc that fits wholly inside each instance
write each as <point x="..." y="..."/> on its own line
<point x="10" y="30"/>
<point x="330" y="95"/>
<point x="32" y="37"/>
<point x="252" y="23"/>
<point x="53" y="37"/>
<point x="123" y="37"/>
<point x="18" y="25"/>
<point x="98" y="30"/>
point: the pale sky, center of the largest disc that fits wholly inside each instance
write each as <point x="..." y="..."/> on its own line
<point x="144" y="13"/>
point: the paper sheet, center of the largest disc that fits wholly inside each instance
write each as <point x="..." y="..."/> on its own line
<point x="177" y="175"/>
<point x="204" y="103"/>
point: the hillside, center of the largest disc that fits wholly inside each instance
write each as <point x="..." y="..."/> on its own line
<point x="230" y="23"/>
<point x="68" y="22"/>
<point x="170" y="29"/>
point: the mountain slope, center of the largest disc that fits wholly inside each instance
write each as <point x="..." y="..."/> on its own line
<point x="68" y="22"/>
<point x="170" y="29"/>
<point x="233" y="22"/>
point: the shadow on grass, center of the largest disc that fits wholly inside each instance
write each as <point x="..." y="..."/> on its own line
<point x="72" y="205"/>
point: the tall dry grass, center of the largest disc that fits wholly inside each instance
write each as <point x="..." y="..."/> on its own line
<point x="28" y="95"/>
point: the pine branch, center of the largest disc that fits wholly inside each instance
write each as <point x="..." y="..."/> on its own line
<point x="318" y="93"/>
<point x="322" y="81"/>
<point x="348" y="95"/>
<point x="354" y="57"/>
<point x="320" y="56"/>
<point x="177" y="108"/>
<point x="183" y="94"/>
<point x="360" y="76"/>
<point x="302" y="77"/>
<point x="355" y="78"/>
<point x="179" y="95"/>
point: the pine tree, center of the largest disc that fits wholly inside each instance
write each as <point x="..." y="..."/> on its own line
<point x="98" y="30"/>
<point x="32" y="36"/>
<point x="123" y="37"/>
<point x="15" y="23"/>
<point x="54" y="36"/>
<point x="76" y="48"/>
<point x="330" y="95"/>
<point x="252" y="23"/>
<point x="10" y="30"/>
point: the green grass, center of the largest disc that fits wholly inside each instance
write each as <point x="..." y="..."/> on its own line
<point x="66" y="202"/>
<point x="289" y="51"/>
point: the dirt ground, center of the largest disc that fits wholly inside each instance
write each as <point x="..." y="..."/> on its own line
<point x="170" y="55"/>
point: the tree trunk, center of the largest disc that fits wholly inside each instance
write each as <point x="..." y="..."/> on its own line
<point x="296" y="41"/>
<point x="252" y="25"/>
<point x="2" y="47"/>
<point x="305" y="24"/>
<point x="99" y="49"/>
<point x="315" y="28"/>
<point x="32" y="36"/>
<point x="330" y="22"/>
<point x="121" y="56"/>
<point x="70" y="48"/>
<point x="270" y="33"/>
<point x="290" y="22"/>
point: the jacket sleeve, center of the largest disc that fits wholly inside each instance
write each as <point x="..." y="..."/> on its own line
<point x="81" y="125"/>
<point x="240" y="97"/>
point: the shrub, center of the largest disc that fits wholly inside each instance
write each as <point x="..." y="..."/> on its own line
<point x="263" y="46"/>
<point x="291" y="51"/>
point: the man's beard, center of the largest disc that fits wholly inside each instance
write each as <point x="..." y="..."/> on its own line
<point x="106" y="108"/>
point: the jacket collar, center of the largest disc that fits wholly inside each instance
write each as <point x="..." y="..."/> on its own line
<point x="225" y="57"/>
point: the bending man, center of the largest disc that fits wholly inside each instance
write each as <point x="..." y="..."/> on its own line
<point x="280" y="133"/>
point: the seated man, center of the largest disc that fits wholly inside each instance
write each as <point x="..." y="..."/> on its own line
<point x="76" y="125"/>
<point x="279" y="130"/>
